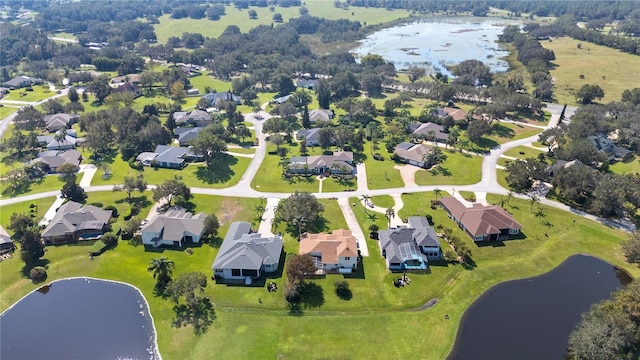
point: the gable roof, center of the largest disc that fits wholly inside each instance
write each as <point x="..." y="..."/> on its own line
<point x="171" y="154"/>
<point x="175" y="223"/>
<point x="340" y="243"/>
<point x="72" y="216"/>
<point x="187" y="134"/>
<point x="415" y="152"/>
<point x="51" y="142"/>
<point x="341" y="158"/>
<point x="425" y="128"/>
<point x="480" y="219"/>
<point x="241" y="249"/>
<point x="55" y="158"/>
<point x="128" y="87"/>
<point x="60" y="120"/>
<point x="455" y="113"/>
<point x="320" y="115"/>
<point x="398" y="246"/>
<point x="22" y="80"/>
<point x="195" y="115"/>
<point x="307" y="83"/>
<point x="309" y="135"/>
<point x="282" y="99"/>
<point x="214" y="97"/>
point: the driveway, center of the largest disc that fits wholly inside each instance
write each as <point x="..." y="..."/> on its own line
<point x="354" y="226"/>
<point x="408" y="174"/>
<point x="267" y="217"/>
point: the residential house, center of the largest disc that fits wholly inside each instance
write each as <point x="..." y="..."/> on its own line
<point x="187" y="135"/>
<point x="427" y="130"/>
<point x="6" y="244"/>
<point x="68" y="142"/>
<point x="552" y="170"/>
<point x="53" y="159"/>
<point x="22" y="81"/>
<point x="129" y="88"/>
<point x="456" y="113"/>
<point x="246" y="256"/>
<point x="55" y="122"/>
<point x="198" y="118"/>
<point x="214" y="97"/>
<point x="609" y="149"/>
<point x="410" y="247"/>
<point x="281" y="99"/>
<point x="309" y="84"/>
<point x="413" y="154"/>
<point x="175" y="227"/>
<point x="320" y="115"/>
<point x="335" y="252"/>
<point x="481" y="222"/>
<point x="340" y="162"/>
<point x="121" y="80"/>
<point x="193" y="92"/>
<point x="310" y="136"/>
<point x="73" y="222"/>
<point x="165" y="156"/>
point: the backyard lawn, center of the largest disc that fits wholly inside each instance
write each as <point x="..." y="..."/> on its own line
<point x="375" y="302"/>
<point x="631" y="166"/>
<point x="523" y="152"/>
<point x="458" y="169"/>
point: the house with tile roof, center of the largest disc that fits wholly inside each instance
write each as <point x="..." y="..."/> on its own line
<point x="175" y="228"/>
<point x="481" y="222"/>
<point x="335" y="252"/>
<point x="430" y="131"/>
<point x="74" y="221"/>
<point x="340" y="162"/>
<point x="410" y="247"/>
<point x="246" y="256"/>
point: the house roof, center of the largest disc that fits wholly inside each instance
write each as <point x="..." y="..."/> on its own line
<point x="241" y="249"/>
<point x="307" y="83"/>
<point x="310" y="135"/>
<point x="330" y="247"/>
<point x="214" y="97"/>
<point x="60" y="120"/>
<point x="128" y="87"/>
<point x="4" y="236"/>
<point x="195" y="115"/>
<point x="21" y="80"/>
<point x="51" y="142"/>
<point x="175" y="223"/>
<point x="187" y="134"/>
<point x="339" y="158"/>
<point x="171" y="154"/>
<point x="282" y="99"/>
<point x="72" y="216"/>
<point x="55" y="158"/>
<point x="398" y="245"/>
<point x="455" y="113"/>
<point x="320" y="115"/>
<point x="134" y="78"/>
<point x="425" y="128"/>
<point x="480" y="219"/>
<point x="415" y="152"/>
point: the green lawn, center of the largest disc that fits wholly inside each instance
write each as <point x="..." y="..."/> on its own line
<point x="375" y="304"/>
<point x="320" y="8"/>
<point x="40" y="92"/>
<point x="523" y="152"/>
<point x="243" y="150"/>
<point x="503" y="132"/>
<point x="381" y="174"/>
<point x="48" y="183"/>
<point x="384" y="201"/>
<point x="459" y="168"/>
<point x="600" y="65"/>
<point x="631" y="166"/>
<point x="42" y="205"/>
<point x="6" y="111"/>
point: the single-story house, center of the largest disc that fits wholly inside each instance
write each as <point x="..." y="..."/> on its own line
<point x="6" y="244"/>
<point x="69" y="141"/>
<point x="245" y="256"/>
<point x="340" y="162"/>
<point x="55" y="158"/>
<point x="413" y="154"/>
<point x="609" y="149"/>
<point x="132" y="78"/>
<point x="320" y="115"/>
<point x="309" y="84"/>
<point x="22" y="81"/>
<point x="335" y="252"/>
<point x="187" y="134"/>
<point x="199" y="118"/>
<point x="165" y="156"/>
<point x="56" y="122"/>
<point x="429" y="129"/>
<point x="73" y="222"/>
<point x="410" y="247"/>
<point x="552" y="170"/>
<point x="310" y="136"/>
<point x="281" y="99"/>
<point x="130" y="88"/>
<point x="174" y="228"/>
<point x="193" y="92"/>
<point x="481" y="222"/>
<point x="455" y="113"/>
<point x="214" y="97"/>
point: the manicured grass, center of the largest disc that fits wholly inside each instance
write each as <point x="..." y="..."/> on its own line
<point x="503" y="132"/>
<point x="375" y="303"/>
<point x="384" y="201"/>
<point x="243" y="150"/>
<point x="459" y="168"/>
<point x="320" y="8"/>
<point x="40" y="92"/>
<point x="381" y="174"/>
<point x="631" y="166"/>
<point x="6" y="111"/>
<point x="502" y="178"/>
<point x="523" y="152"/>
<point x="47" y="183"/>
<point x="42" y="205"/>
<point x="600" y="66"/>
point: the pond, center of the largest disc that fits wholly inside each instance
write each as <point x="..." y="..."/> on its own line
<point x="532" y="318"/>
<point x="434" y="44"/>
<point x="79" y="318"/>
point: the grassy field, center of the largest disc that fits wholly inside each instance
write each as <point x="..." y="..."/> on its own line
<point x="613" y="70"/>
<point x="47" y="183"/>
<point x="6" y="111"/>
<point x="320" y="8"/>
<point x="376" y="303"/>
<point x="40" y="92"/>
<point x="384" y="201"/>
<point x="42" y="205"/>
<point x="523" y="152"/>
<point x="457" y="169"/>
<point x="631" y="166"/>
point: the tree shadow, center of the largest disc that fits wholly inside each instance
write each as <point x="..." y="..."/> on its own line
<point x="295" y="309"/>
<point x="359" y="273"/>
<point x="199" y="316"/>
<point x="312" y="295"/>
<point x="444" y="171"/>
<point x="502" y="131"/>
<point x="26" y="269"/>
<point x="218" y="171"/>
<point x="344" y="294"/>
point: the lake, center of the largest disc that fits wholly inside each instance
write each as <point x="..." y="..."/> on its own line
<point x="79" y="318"/>
<point x="532" y="318"/>
<point x="435" y="43"/>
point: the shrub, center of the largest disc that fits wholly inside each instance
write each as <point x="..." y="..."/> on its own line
<point x="450" y="255"/>
<point x="38" y="274"/>
<point x="291" y="294"/>
<point x="127" y="213"/>
<point x="136" y="165"/>
<point x="98" y="248"/>
<point x="343" y="291"/>
<point x="97" y="204"/>
<point x="429" y="219"/>
<point x="189" y="251"/>
<point x="114" y="210"/>
<point x="109" y="239"/>
<point x="374" y="228"/>
<point x="136" y="240"/>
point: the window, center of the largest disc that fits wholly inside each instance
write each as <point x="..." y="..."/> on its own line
<point x="235" y="272"/>
<point x="219" y="271"/>
<point x="347" y="258"/>
<point x="479" y="238"/>
<point x="513" y="231"/>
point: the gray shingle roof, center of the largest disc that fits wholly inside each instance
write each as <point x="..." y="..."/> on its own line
<point x="403" y="243"/>
<point x="243" y="250"/>
<point x="72" y="216"/>
<point x="173" y="224"/>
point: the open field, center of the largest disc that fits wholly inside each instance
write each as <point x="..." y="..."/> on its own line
<point x="375" y="304"/>
<point x="523" y="152"/>
<point x="6" y="111"/>
<point x="457" y="169"/>
<point x="40" y="92"/>
<point x="47" y="183"/>
<point x="320" y="8"/>
<point x="42" y="205"/>
<point x="613" y="70"/>
<point x="631" y="166"/>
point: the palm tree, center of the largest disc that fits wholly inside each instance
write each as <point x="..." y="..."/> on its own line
<point x="437" y="192"/>
<point x="390" y="213"/>
<point x="509" y="195"/>
<point x="60" y="136"/>
<point x="365" y="200"/>
<point x="162" y="269"/>
<point x="300" y="221"/>
<point x="284" y="162"/>
<point x="534" y="199"/>
<point x="539" y="212"/>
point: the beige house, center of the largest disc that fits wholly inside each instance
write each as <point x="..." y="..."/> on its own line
<point x="335" y="252"/>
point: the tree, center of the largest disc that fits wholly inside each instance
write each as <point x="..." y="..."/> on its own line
<point x="435" y="156"/>
<point x="533" y="200"/>
<point x="415" y="73"/>
<point x="300" y="99"/>
<point x="99" y="87"/>
<point x="53" y="106"/>
<point x="67" y="171"/>
<point x="301" y="222"/>
<point x="242" y="132"/>
<point x="587" y="93"/>
<point x="132" y="184"/>
<point x="299" y="204"/>
<point x="390" y="213"/>
<point x="31" y="246"/>
<point x="17" y="179"/>
<point x="477" y="129"/>
<point x="73" y="107"/>
<point x="277" y="17"/>
<point x="552" y="137"/>
<point x="277" y="140"/>
<point x="306" y="121"/>
<point x="253" y="14"/>
<point x="631" y="248"/>
<point x="521" y="173"/>
<point x="177" y="91"/>
<point x="28" y="119"/>
<point x="437" y="192"/>
<point x="73" y="192"/>
<point x="172" y="189"/>
<point x="162" y="269"/>
<point x="323" y="93"/>
<point x="211" y="142"/>
<point x="299" y="266"/>
<point x="632" y="96"/>
<point x="211" y="226"/>
<point x="325" y="137"/>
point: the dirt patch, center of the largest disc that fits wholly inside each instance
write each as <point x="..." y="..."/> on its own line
<point x="229" y="209"/>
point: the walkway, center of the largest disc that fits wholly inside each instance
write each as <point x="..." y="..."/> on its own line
<point x="353" y="225"/>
